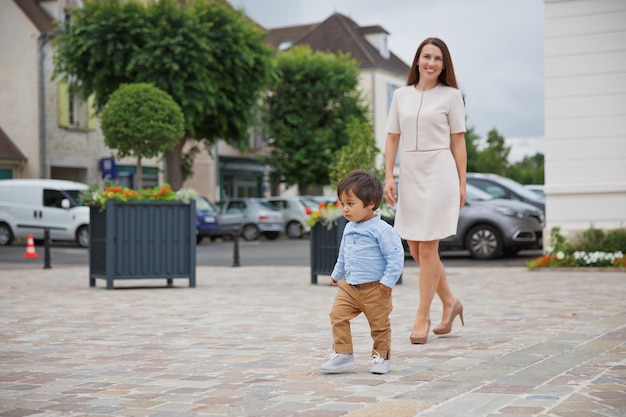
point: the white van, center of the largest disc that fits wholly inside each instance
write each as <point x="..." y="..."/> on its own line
<point x="28" y="206"/>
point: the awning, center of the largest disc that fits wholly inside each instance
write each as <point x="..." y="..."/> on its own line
<point x="9" y="151"/>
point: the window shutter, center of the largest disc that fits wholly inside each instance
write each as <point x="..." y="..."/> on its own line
<point x="92" y="119"/>
<point x="63" y="104"/>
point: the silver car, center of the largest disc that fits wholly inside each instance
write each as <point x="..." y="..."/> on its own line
<point x="253" y="217"/>
<point x="296" y="211"/>
<point x="491" y="227"/>
<point x="502" y="187"/>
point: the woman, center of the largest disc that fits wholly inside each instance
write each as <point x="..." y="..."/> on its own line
<point x="427" y="122"/>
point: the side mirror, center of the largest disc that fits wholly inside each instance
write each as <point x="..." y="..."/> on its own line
<point x="65" y="203"/>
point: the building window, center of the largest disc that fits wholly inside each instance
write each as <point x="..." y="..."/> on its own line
<point x="73" y="112"/>
<point x="284" y="45"/>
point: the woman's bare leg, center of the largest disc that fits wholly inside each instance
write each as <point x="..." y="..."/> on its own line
<point x="446" y="296"/>
<point x="430" y="277"/>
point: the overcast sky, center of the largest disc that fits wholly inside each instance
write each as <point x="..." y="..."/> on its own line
<point x="496" y="47"/>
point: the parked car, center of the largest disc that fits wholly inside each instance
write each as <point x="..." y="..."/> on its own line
<point x="296" y="211"/>
<point x="29" y="206"/>
<point x="321" y="199"/>
<point x="207" y="220"/>
<point x="253" y="216"/>
<point x="502" y="187"/>
<point x="536" y="188"/>
<point x="491" y="227"/>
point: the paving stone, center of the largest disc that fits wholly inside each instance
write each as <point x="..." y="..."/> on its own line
<point x="250" y="341"/>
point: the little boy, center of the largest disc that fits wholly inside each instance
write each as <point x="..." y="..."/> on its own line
<point x="369" y="264"/>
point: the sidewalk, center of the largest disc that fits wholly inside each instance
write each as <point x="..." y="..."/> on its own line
<point x="249" y="342"/>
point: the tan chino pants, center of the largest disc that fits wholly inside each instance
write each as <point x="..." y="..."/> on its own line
<point x="352" y="300"/>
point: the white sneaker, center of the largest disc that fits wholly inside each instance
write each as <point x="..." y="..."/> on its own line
<point x="380" y="365"/>
<point x="337" y="361"/>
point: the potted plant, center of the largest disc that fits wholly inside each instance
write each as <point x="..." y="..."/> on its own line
<point x="136" y="234"/>
<point x="327" y="224"/>
<point x="141" y="234"/>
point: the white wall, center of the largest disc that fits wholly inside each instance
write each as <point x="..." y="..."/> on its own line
<point x="19" y="83"/>
<point x="585" y="114"/>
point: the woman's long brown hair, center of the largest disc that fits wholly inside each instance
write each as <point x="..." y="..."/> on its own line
<point x="446" y="77"/>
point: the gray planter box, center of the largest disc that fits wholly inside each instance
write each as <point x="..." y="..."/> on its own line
<point x="325" y="244"/>
<point x="142" y="240"/>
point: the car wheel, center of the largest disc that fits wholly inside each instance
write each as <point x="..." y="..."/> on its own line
<point x="82" y="236"/>
<point x="294" y="230"/>
<point x="271" y="235"/>
<point x="250" y="232"/>
<point x="484" y="242"/>
<point x="198" y="239"/>
<point x="6" y="235"/>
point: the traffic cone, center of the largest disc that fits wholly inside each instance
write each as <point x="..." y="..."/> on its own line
<point x="30" y="248"/>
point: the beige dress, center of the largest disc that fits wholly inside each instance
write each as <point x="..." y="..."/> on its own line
<point x="428" y="187"/>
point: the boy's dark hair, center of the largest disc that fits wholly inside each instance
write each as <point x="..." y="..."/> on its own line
<point x="365" y="185"/>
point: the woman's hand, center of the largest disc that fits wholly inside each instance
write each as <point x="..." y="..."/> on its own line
<point x="390" y="193"/>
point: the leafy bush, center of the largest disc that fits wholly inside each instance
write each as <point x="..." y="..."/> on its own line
<point x="598" y="240"/>
<point x="615" y="240"/>
<point x="592" y="248"/>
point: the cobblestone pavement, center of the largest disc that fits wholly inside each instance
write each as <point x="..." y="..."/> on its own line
<point x="249" y="342"/>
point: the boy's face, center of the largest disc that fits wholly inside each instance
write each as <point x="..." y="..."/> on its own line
<point x="354" y="209"/>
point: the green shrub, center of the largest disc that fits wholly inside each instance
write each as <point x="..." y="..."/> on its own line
<point x="593" y="239"/>
<point x="593" y="247"/>
<point x="615" y="240"/>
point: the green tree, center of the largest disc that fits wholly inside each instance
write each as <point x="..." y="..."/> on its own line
<point x="494" y="158"/>
<point x="311" y="102"/>
<point x="143" y="121"/>
<point x="359" y="153"/>
<point x="529" y="170"/>
<point x="210" y="58"/>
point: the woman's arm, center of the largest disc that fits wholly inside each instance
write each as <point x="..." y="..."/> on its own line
<point x="459" y="151"/>
<point x="391" y="150"/>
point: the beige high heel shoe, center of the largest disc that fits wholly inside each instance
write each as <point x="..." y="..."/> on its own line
<point x="420" y="340"/>
<point x="457" y="310"/>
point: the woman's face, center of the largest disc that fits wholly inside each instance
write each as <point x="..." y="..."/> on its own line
<point x="430" y="63"/>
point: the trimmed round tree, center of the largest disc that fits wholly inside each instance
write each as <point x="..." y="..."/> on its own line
<point x="143" y="121"/>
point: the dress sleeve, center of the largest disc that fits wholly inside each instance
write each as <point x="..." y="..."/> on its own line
<point x="393" y="119"/>
<point x="456" y="116"/>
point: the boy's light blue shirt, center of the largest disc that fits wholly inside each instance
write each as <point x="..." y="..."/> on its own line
<point x="370" y="251"/>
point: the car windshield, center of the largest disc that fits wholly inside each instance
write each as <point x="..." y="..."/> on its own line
<point x="73" y="194"/>
<point x="266" y="205"/>
<point x="202" y="204"/>
<point x="520" y="189"/>
<point x="310" y="203"/>
<point x="476" y="194"/>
